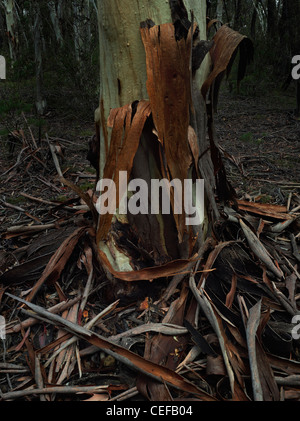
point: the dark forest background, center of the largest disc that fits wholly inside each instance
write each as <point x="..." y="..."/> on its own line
<point x="52" y="52"/>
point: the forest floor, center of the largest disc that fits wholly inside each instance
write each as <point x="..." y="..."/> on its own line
<point x="259" y="138"/>
<point x="262" y="140"/>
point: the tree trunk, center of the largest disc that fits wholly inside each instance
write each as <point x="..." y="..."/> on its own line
<point x="40" y="101"/>
<point x="220" y="10"/>
<point x="290" y="39"/>
<point x="82" y="28"/>
<point x="122" y="56"/>
<point x="2" y="67"/>
<point x="123" y="80"/>
<point x="253" y="20"/>
<point x="272" y="20"/>
<point x="9" y="6"/>
<point x="237" y="15"/>
<point x="157" y="50"/>
<point x="155" y="122"/>
<point x="55" y="22"/>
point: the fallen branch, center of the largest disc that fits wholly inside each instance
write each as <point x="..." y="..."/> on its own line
<point x="58" y="308"/>
<point x="259" y="250"/>
<point x="54" y="157"/>
<point x="296" y="253"/>
<point x="18" y="161"/>
<point x="89" y="325"/>
<point x="23" y="229"/>
<point x="37" y="199"/>
<point x="9" y="205"/>
<point x="125" y="395"/>
<point x="49" y="390"/>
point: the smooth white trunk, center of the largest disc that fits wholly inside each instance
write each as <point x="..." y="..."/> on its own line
<point x="40" y="101"/>
<point x="82" y="28"/>
<point x="55" y="21"/>
<point x="9" y="6"/>
<point x="220" y="10"/>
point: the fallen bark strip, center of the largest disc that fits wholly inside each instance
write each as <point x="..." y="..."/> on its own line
<point x="51" y="317"/>
<point x="164" y="328"/>
<point x="55" y="389"/>
<point x="60" y="307"/>
<point x="134" y="361"/>
<point x="251" y="330"/>
<point x="259" y="250"/>
<point x="89" y="325"/>
<point x="34" y="228"/>
<point x="54" y="157"/>
<point x="296" y="253"/>
<point x="57" y="262"/>
<point x="125" y="395"/>
<point x="208" y="311"/>
<point x="293" y="380"/>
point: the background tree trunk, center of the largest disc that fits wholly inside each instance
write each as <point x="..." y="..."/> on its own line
<point x="55" y="21"/>
<point x="40" y="101"/>
<point x="220" y="10"/>
<point x="237" y="15"/>
<point x="9" y="6"/>
<point x="272" y="20"/>
<point x="289" y="33"/>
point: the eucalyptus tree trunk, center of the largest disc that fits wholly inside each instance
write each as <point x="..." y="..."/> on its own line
<point x="9" y="6"/>
<point x="253" y="20"/>
<point x="123" y="73"/>
<point x="155" y="121"/>
<point x="220" y="10"/>
<point x="272" y="29"/>
<point x="158" y="93"/>
<point x="82" y="27"/>
<point x="237" y="15"/>
<point x="55" y="21"/>
<point x="289" y="34"/>
<point x="40" y="101"/>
